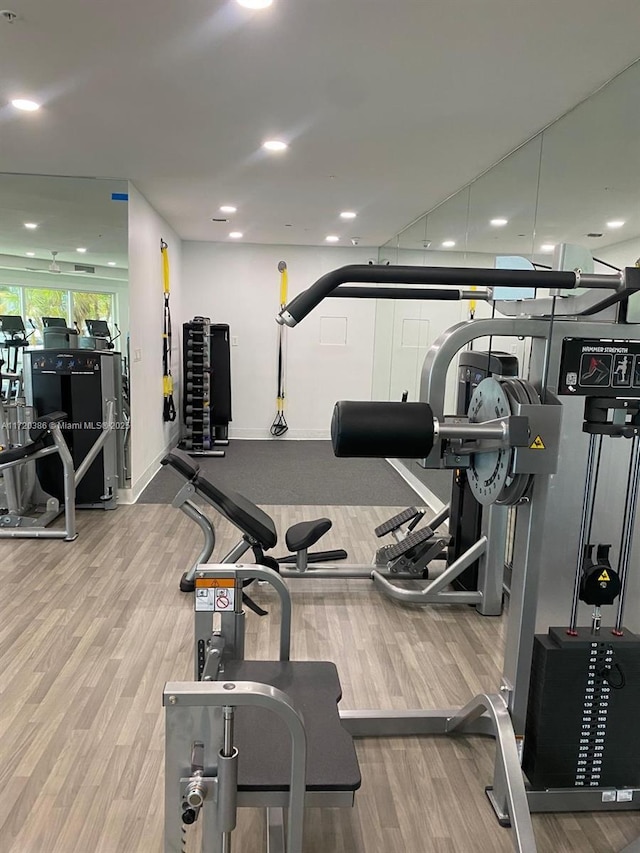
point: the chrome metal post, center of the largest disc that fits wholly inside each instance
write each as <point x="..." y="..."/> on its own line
<point x="590" y="485"/>
<point x="626" y="540"/>
<point x="69" y="481"/>
<point x="195" y="514"/>
<point x="226" y="798"/>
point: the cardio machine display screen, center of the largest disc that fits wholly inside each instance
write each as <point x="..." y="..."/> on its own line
<point x="600" y="368"/>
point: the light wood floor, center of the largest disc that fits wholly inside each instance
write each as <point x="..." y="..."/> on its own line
<point x="90" y="631"/>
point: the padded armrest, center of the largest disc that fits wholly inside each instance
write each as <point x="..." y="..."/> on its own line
<point x="182" y="463"/>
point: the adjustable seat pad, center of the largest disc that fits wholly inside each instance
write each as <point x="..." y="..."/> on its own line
<point x="262" y="738"/>
<point x="306" y="533"/>
<point x="240" y="511"/>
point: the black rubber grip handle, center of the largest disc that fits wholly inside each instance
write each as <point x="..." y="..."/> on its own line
<point x="434" y="294"/>
<point x="381" y="430"/>
<point x="306" y="301"/>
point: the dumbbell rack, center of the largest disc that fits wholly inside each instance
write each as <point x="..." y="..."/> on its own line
<point x="197" y="437"/>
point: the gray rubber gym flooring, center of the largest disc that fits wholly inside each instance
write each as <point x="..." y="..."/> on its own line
<point x="293" y="473"/>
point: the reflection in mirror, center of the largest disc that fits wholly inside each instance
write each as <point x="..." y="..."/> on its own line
<point x="570" y="197"/>
<point x="64" y="257"/>
<point x="406" y="329"/>
<point x="502" y="209"/>
<point x="590" y="180"/>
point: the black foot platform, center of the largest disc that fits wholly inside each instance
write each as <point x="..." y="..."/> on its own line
<point x="264" y="761"/>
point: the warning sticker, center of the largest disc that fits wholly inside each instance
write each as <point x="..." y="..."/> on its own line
<point x="604" y="576"/>
<point x="202" y="583"/>
<point x="215" y="600"/>
<point x="537" y="444"/>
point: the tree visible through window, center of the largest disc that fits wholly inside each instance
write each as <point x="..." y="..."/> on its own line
<point x="41" y="302"/>
<point x="9" y="300"/>
<point x="92" y="306"/>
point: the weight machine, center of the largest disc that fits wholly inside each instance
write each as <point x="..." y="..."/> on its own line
<point x="525" y="444"/>
<point x="584" y="380"/>
<point x="26" y="442"/>
<point x="15" y="338"/>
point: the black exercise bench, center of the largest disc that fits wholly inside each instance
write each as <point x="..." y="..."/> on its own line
<point x="258" y="529"/>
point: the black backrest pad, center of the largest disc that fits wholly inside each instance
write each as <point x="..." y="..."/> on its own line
<point x="240" y="511"/>
<point x="182" y="463"/>
<point x="236" y="508"/>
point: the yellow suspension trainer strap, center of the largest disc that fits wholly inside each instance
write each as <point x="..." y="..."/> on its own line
<point x="280" y="426"/>
<point x="169" y="408"/>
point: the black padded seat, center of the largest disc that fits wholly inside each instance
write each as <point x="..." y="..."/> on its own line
<point x="182" y="463"/>
<point x="306" y="533"/>
<point x="40" y="438"/>
<point x="24" y="451"/>
<point x="262" y="738"/>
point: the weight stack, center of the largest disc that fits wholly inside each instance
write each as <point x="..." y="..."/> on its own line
<point x="196" y="398"/>
<point x="582" y="716"/>
<point x="220" y="357"/>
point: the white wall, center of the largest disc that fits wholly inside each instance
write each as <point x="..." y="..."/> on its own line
<point x="150" y="436"/>
<point x="240" y="285"/>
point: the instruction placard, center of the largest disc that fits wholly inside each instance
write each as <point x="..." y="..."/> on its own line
<point x="602" y="368"/>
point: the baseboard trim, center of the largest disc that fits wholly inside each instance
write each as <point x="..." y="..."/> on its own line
<point x="434" y="503"/>
<point x="142" y="482"/>
<point x="290" y="435"/>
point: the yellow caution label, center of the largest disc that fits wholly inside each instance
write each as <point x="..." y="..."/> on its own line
<point x="537" y="444"/>
<point x="604" y="576"/>
<point x="215" y="583"/>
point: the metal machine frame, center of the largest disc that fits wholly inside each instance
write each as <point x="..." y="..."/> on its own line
<point x="15" y="524"/>
<point x="199" y="720"/>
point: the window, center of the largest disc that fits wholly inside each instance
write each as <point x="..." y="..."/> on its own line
<point x="9" y="300"/>
<point x="92" y="306"/>
<point x="40" y="302"/>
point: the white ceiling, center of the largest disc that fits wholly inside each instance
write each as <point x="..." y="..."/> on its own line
<point x="70" y="213"/>
<point x="388" y="105"/>
<point x="589" y="168"/>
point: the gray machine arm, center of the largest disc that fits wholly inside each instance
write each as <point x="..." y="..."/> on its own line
<point x="305" y="302"/>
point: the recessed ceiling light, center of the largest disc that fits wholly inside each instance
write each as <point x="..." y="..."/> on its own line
<point x="499" y="222"/>
<point x="275" y="145"/>
<point x="615" y="223"/>
<point x="236" y="235"/>
<point x="228" y="208"/>
<point x="448" y="244"/>
<point x="111" y="263"/>
<point x="81" y="250"/>
<point x="30" y="254"/>
<point x="31" y="225"/>
<point x="25" y="105"/>
<point x="332" y="238"/>
<point x="348" y="214"/>
<point x="255" y="4"/>
<point x="547" y="247"/>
